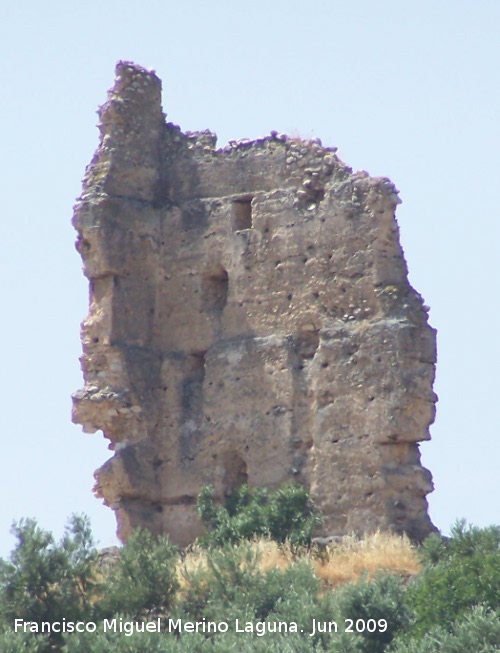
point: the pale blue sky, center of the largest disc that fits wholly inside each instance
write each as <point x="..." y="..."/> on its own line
<point x="408" y="90"/>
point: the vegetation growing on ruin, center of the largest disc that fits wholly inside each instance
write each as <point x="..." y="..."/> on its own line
<point x="443" y="596"/>
<point x="285" y="515"/>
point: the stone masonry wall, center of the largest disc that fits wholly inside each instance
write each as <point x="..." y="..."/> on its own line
<point x="250" y="321"/>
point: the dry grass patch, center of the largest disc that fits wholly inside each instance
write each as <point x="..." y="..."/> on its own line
<point x="340" y="562"/>
<point x="193" y="562"/>
<point x="350" y="558"/>
<point x="271" y="555"/>
<point x="266" y="554"/>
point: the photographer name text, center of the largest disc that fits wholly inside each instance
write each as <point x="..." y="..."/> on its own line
<point x="159" y="625"/>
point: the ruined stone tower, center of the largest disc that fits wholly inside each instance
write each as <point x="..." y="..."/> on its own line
<point x="250" y="321"/>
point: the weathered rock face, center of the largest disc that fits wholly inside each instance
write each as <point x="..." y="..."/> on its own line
<point x="250" y="321"/>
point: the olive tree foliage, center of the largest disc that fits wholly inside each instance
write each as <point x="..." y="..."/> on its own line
<point x="143" y="582"/>
<point x="478" y="631"/>
<point x="459" y="574"/>
<point x="21" y="642"/>
<point x="49" y="581"/>
<point x="230" y="642"/>
<point x="381" y="600"/>
<point x="451" y="606"/>
<point x="45" y="580"/>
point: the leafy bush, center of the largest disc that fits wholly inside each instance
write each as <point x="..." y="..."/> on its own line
<point x="49" y="581"/>
<point x="197" y="643"/>
<point x="116" y="642"/>
<point x="453" y="606"/>
<point x="478" y="631"/>
<point x="285" y="514"/>
<point x="12" y="642"/>
<point x="382" y="598"/>
<point x="230" y="584"/>
<point x="142" y="582"/>
<point x="459" y="574"/>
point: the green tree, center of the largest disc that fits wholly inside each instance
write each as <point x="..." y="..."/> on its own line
<point x="285" y="514"/>
<point x="380" y="600"/>
<point x="142" y="582"/>
<point x="231" y="584"/>
<point x="49" y="581"/>
<point x="459" y="574"/>
<point x="478" y="630"/>
<point x="12" y="642"/>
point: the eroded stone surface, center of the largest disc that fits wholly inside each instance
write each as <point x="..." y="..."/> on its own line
<point x="250" y="321"/>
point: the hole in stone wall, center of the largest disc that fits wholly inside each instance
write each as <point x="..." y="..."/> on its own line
<point x="307" y="341"/>
<point x="235" y="471"/>
<point x="241" y="215"/>
<point x="214" y="289"/>
<point x="192" y="386"/>
<point x="196" y="364"/>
